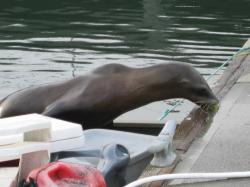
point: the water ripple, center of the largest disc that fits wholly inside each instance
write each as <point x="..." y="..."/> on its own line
<point x="223" y="33"/>
<point x="67" y="39"/>
<point x="58" y="39"/>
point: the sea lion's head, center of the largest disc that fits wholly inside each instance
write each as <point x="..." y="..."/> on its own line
<point x="181" y="80"/>
<point x="173" y="80"/>
<point x="193" y="86"/>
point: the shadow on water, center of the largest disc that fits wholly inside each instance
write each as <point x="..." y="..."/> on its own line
<point x="62" y="38"/>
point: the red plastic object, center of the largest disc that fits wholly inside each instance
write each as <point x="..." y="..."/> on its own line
<point x="62" y="174"/>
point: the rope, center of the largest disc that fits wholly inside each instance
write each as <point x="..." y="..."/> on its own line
<point x="168" y="110"/>
<point x="73" y="59"/>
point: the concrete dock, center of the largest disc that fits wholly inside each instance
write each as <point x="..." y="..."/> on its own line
<point x="226" y="145"/>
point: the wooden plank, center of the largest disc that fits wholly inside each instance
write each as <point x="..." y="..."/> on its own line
<point x="148" y="115"/>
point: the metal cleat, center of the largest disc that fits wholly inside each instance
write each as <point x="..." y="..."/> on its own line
<point x="162" y="146"/>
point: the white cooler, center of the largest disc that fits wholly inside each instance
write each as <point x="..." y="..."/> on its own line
<point x="31" y="138"/>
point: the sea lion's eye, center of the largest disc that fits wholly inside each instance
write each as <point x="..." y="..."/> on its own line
<point x="203" y="91"/>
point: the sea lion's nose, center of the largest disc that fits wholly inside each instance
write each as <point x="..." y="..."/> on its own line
<point x="209" y="99"/>
<point x="214" y="99"/>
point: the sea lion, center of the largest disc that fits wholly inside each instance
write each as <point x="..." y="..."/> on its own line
<point x="95" y="99"/>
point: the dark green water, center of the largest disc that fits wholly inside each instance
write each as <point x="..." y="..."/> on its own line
<point x="50" y="40"/>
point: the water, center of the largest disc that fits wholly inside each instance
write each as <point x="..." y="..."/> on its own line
<point x="47" y="41"/>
